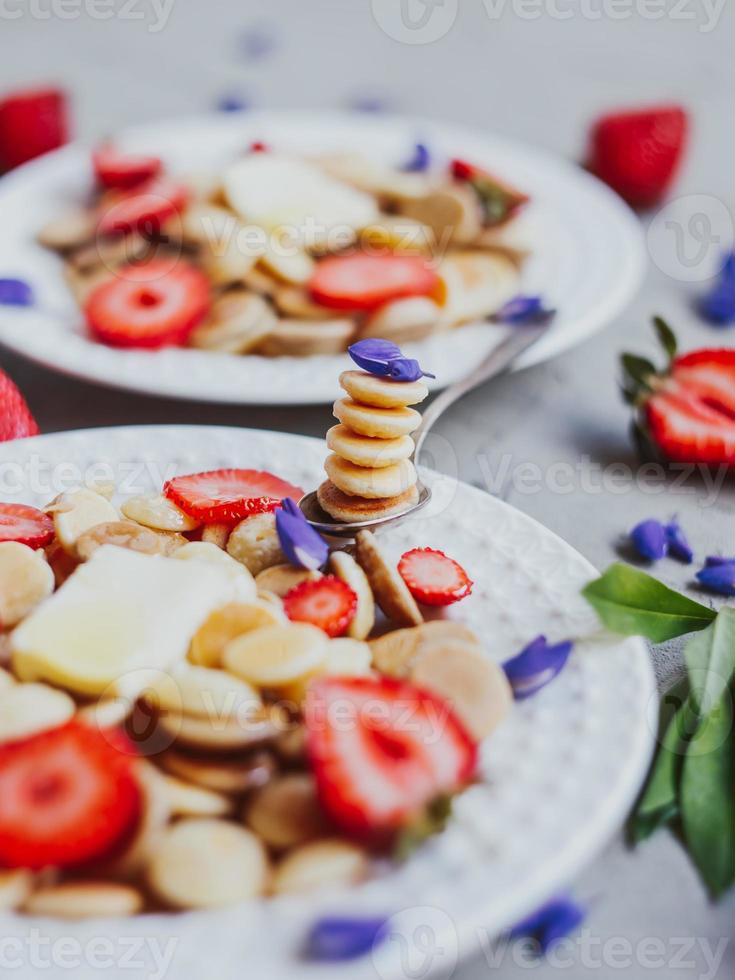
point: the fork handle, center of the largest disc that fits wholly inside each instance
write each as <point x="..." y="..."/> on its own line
<point x="495" y="362"/>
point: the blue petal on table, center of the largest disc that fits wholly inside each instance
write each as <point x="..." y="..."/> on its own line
<point x="553" y="921"/>
<point x="369" y="103"/>
<point x="678" y="543"/>
<point x="718" y="575"/>
<point x="257" y="42"/>
<point x="524" y="310"/>
<point x="15" y="292"/>
<point x="650" y="540"/>
<point x="536" y="666"/>
<point x="334" y="940"/>
<point x="302" y="545"/>
<point x="233" y="103"/>
<point x="718" y="305"/>
<point x="420" y="161"/>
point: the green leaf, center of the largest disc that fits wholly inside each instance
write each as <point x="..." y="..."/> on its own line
<point x="710" y="659"/>
<point x="659" y="804"/>
<point x="666" y="337"/>
<point x="432" y="821"/>
<point x="708" y="798"/>
<point x="638" y="370"/>
<point x="630" y="602"/>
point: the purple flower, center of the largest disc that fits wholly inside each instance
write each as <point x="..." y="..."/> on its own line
<point x="552" y="922"/>
<point x="369" y="103"/>
<point x="15" y="292"/>
<point x="536" y="666"/>
<point x="384" y="359"/>
<point x="718" y="575"/>
<point x="650" y="540"/>
<point x="257" y="42"/>
<point x="718" y="305"/>
<point x="333" y="940"/>
<point x="302" y="545"/>
<point x="678" y="544"/>
<point x="233" y="103"/>
<point x="420" y="161"/>
<point x="524" y="310"/>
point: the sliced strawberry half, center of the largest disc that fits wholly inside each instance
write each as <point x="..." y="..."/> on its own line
<point x="16" y="420"/>
<point x="67" y="797"/>
<point x="32" y="122"/>
<point x="328" y="603"/>
<point x="114" y="169"/>
<point x="153" y="304"/>
<point x="144" y="210"/>
<point x="382" y="751"/>
<point x="226" y="496"/>
<point x="364" y="282"/>
<point x="433" y="578"/>
<point x="639" y="153"/>
<point x="26" y="525"/>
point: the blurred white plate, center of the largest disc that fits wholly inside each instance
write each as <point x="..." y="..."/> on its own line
<point x="588" y="258"/>
<point x="558" y="777"/>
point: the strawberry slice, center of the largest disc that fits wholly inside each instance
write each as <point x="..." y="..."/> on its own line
<point x="144" y="209"/>
<point x="115" y="169"/>
<point x="364" y="282"/>
<point x="639" y="153"/>
<point x="32" y="122"/>
<point x="382" y="751"/>
<point x="433" y="578"/>
<point x="152" y="304"/>
<point x="328" y="603"/>
<point x="67" y="797"/>
<point x="226" y="496"/>
<point x="16" y="421"/>
<point x="26" y="525"/>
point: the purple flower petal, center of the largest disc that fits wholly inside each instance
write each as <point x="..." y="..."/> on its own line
<point x="15" y="292"/>
<point x="420" y="161"/>
<point x="406" y="369"/>
<point x="333" y="940"/>
<point x="718" y="575"/>
<point x="650" y="540"/>
<point x="233" y="103"/>
<point x="302" y="545"/>
<point x="524" y="310"/>
<point x="384" y="359"/>
<point x="536" y="666"/>
<point x="553" y="921"/>
<point x="369" y="103"/>
<point x="257" y="42"/>
<point x="718" y="305"/>
<point x="714" y="560"/>
<point x="678" y="544"/>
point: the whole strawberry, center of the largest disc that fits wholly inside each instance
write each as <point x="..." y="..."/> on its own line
<point x="685" y="412"/>
<point x="639" y="153"/>
<point x="32" y="122"/>
<point x="16" y="421"/>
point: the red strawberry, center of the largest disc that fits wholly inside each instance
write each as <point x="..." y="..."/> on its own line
<point x="382" y="751"/>
<point x="16" y="421"/>
<point x="688" y="410"/>
<point x="26" y="525"/>
<point x="229" y="495"/>
<point x="144" y="209"/>
<point x="638" y="153"/>
<point x="433" y="578"/>
<point x="328" y="603"/>
<point x="67" y="797"/>
<point x="122" y="170"/>
<point x="152" y="304"/>
<point x="499" y="200"/>
<point x="364" y="282"/>
<point x="32" y="122"/>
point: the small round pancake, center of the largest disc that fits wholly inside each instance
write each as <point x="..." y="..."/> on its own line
<point x="381" y="423"/>
<point x="382" y="392"/>
<point x="351" y="510"/>
<point x="390" y="591"/>
<point x="364" y="451"/>
<point x="359" y="481"/>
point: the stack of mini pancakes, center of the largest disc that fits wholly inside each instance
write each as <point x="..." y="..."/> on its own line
<point x="370" y="470"/>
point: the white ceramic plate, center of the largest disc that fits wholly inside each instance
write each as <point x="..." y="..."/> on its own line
<point x="559" y="776"/>
<point x="588" y="260"/>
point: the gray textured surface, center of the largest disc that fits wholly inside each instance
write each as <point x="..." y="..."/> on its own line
<point x="538" y="80"/>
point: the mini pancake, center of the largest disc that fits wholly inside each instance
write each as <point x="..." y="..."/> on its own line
<point x="381" y="392"/>
<point x="382" y="423"/>
<point x="351" y="510"/>
<point x="359" y="481"/>
<point x="364" y="451"/>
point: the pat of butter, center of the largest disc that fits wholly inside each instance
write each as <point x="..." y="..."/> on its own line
<point x="117" y="621"/>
